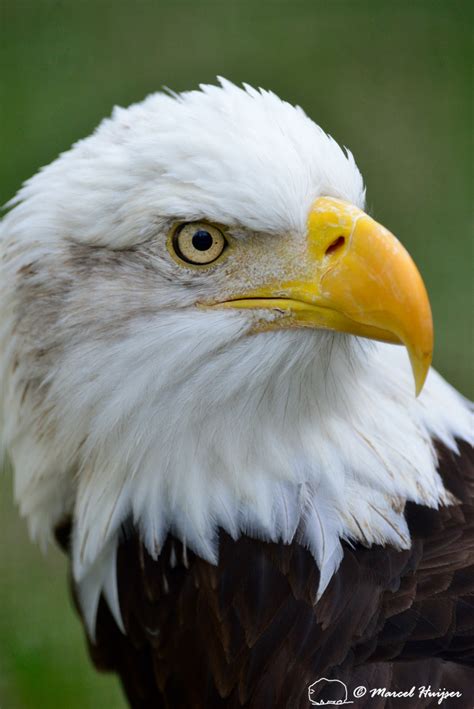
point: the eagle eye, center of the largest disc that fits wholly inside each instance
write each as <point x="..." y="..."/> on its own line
<point x="198" y="244"/>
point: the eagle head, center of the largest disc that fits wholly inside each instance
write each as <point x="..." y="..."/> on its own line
<point x="195" y="311"/>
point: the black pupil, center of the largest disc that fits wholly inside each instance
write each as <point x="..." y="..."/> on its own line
<point x="202" y="240"/>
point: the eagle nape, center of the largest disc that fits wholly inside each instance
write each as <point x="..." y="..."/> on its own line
<point x="205" y="394"/>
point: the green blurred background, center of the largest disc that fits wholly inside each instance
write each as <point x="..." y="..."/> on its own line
<point x="389" y="79"/>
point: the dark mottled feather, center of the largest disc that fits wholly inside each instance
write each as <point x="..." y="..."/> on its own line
<point x="247" y="633"/>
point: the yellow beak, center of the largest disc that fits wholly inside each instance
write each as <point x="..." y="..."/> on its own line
<point x="356" y="278"/>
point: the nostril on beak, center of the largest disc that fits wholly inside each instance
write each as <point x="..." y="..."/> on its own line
<point x="336" y="245"/>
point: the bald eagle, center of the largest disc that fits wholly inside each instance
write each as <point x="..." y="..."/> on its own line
<point x="205" y="400"/>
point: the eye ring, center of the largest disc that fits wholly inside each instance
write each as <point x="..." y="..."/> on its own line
<point x="198" y="243"/>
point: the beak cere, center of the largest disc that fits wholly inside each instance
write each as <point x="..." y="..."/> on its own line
<point x="357" y="278"/>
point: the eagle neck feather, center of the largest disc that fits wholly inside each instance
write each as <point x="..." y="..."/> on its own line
<point x="323" y="441"/>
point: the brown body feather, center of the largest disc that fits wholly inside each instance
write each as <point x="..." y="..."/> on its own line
<point x="247" y="633"/>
